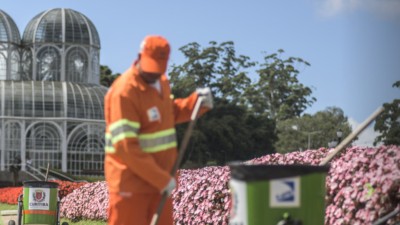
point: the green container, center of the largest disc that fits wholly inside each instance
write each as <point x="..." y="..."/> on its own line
<point x="40" y="203"/>
<point x="269" y="194"/>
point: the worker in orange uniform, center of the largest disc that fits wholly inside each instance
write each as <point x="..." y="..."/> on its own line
<point x="141" y="145"/>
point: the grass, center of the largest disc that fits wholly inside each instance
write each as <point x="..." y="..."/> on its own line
<point x="82" y="222"/>
<point x="4" y="206"/>
<point x="87" y="178"/>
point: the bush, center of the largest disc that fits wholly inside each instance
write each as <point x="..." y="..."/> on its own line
<point x="362" y="185"/>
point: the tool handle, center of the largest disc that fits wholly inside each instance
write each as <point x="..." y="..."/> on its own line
<point x="47" y="172"/>
<point x="187" y="135"/>
<point x="351" y="136"/>
<point x="181" y="153"/>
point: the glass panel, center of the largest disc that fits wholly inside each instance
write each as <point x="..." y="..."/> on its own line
<point x="3" y="30"/>
<point x="12" y="137"/>
<point x="8" y="29"/>
<point x="8" y="100"/>
<point x="69" y="28"/>
<point x="95" y="34"/>
<point x="58" y="99"/>
<point x="3" y="65"/>
<point x="58" y="33"/>
<point x="14" y="70"/>
<point x="49" y="29"/>
<point x="29" y="30"/>
<point x="80" y="102"/>
<point x="95" y="72"/>
<point x="86" y="149"/>
<point x="26" y="65"/>
<point x="18" y="100"/>
<point x="77" y="65"/>
<point x="48" y="65"/>
<point x="43" y="145"/>
<point x="1" y="103"/>
<point x="28" y="100"/>
<point x="71" y="103"/>
<point x="48" y="99"/>
<point x="38" y="98"/>
<point x="97" y="97"/>
<point x="84" y="31"/>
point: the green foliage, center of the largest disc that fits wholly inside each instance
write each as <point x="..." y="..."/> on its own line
<point x="216" y="66"/>
<point x="106" y="76"/>
<point x="388" y="122"/>
<point x="240" y="126"/>
<point x="278" y="93"/>
<point x="315" y="130"/>
<point x="229" y="133"/>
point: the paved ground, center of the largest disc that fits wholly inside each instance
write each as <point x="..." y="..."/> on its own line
<point x="7" y="215"/>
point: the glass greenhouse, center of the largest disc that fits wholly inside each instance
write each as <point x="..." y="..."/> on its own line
<point x="51" y="103"/>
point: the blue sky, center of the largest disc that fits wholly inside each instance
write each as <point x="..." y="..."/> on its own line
<point x="353" y="45"/>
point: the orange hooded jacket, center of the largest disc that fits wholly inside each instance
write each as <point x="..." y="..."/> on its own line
<point x="141" y="145"/>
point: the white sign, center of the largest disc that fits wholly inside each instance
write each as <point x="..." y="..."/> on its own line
<point x="285" y="192"/>
<point x="39" y="198"/>
<point x="238" y="215"/>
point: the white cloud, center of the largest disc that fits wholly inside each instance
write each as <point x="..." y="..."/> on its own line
<point x="365" y="138"/>
<point x="387" y="8"/>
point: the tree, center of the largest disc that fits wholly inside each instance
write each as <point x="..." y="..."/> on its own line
<point x="278" y="93"/>
<point x="388" y="122"/>
<point x="217" y="67"/>
<point x="106" y="76"/>
<point x="229" y="132"/>
<point x="311" y="131"/>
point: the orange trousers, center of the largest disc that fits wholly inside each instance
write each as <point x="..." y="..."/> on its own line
<point x="138" y="209"/>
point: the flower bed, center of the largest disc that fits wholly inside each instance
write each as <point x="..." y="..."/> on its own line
<point x="87" y="202"/>
<point x="362" y="185"/>
<point x="67" y="187"/>
<point x="10" y="195"/>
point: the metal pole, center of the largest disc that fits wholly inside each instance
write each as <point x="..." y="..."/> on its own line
<point x="351" y="136"/>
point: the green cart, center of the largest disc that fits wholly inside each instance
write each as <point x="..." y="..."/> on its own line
<point x="39" y="204"/>
<point x="277" y="194"/>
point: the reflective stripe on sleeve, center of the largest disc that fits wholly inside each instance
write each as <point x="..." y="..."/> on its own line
<point x="122" y="129"/>
<point x="158" y="141"/>
<point x="109" y="148"/>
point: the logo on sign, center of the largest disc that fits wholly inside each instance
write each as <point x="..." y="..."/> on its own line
<point x="153" y="114"/>
<point x="39" y="198"/>
<point x="285" y="192"/>
<point x="288" y="192"/>
<point x="39" y="195"/>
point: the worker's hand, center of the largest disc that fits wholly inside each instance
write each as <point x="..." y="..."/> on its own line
<point x="206" y="94"/>
<point x="170" y="186"/>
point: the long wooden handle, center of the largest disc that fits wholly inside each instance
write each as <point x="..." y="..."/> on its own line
<point x="181" y="153"/>
<point x="353" y="135"/>
<point x="47" y="172"/>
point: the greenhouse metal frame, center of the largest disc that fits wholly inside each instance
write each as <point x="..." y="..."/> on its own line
<point x="51" y="103"/>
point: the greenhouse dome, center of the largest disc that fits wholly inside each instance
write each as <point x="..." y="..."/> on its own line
<point x="51" y="102"/>
<point x="61" y="45"/>
<point x="9" y="48"/>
